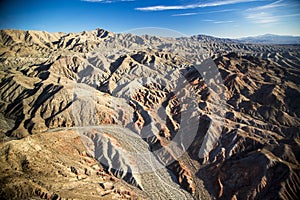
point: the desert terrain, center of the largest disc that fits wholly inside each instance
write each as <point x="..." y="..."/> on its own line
<point x="100" y="115"/>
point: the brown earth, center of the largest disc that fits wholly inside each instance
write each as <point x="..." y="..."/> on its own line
<point x="101" y="115"/>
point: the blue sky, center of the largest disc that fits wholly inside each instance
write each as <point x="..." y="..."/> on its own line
<point x="221" y="18"/>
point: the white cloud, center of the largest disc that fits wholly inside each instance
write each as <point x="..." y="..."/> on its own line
<point x="291" y="15"/>
<point x="216" y="21"/>
<point x="184" y="14"/>
<point x="262" y="18"/>
<point x="193" y="6"/>
<point x="222" y="22"/>
<point x="219" y="11"/>
<point x="275" y="4"/>
<point x="266" y="18"/>
<point x="268" y="13"/>
<point x="200" y="13"/>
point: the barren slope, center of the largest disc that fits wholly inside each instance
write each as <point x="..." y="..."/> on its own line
<point x="181" y="118"/>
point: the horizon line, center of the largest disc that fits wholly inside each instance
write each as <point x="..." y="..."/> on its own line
<point x="161" y="28"/>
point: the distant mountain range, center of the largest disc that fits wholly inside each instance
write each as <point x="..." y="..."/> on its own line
<point x="271" y="39"/>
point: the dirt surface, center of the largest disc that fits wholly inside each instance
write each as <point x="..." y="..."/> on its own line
<point x="98" y="115"/>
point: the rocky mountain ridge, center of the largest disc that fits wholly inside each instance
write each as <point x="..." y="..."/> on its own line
<point x="176" y="118"/>
<point x="271" y="39"/>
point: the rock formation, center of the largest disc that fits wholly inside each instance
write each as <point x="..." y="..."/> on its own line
<point x="102" y="115"/>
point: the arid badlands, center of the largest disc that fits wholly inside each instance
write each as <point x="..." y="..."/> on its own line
<point x="100" y="115"/>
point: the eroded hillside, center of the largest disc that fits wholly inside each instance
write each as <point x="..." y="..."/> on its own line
<point x="101" y="115"/>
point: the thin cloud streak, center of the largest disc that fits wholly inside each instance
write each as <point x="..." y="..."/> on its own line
<point x="219" y="11"/>
<point x="184" y="14"/>
<point x="262" y="18"/>
<point x="193" y="6"/>
<point x="275" y="4"/>
<point x="266" y="18"/>
<point x="266" y="14"/>
<point x="222" y="22"/>
<point x="202" y="13"/>
<point x="216" y="22"/>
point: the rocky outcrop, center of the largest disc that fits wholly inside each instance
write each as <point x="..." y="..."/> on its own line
<point x="56" y="166"/>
